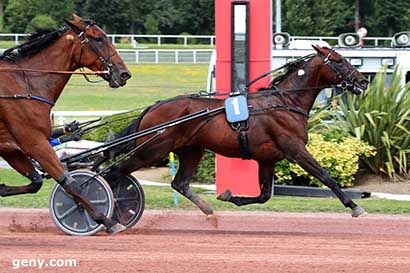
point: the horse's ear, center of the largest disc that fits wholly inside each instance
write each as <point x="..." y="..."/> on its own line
<point x="317" y="48"/>
<point x="71" y="23"/>
<point x="76" y="18"/>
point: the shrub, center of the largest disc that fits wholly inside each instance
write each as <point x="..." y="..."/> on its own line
<point x="382" y="119"/>
<point x="340" y="157"/>
<point x="206" y="169"/>
<point x="114" y="123"/>
<point x="41" y="22"/>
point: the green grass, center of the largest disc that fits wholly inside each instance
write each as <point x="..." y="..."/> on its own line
<point x="162" y="198"/>
<point x="148" y="84"/>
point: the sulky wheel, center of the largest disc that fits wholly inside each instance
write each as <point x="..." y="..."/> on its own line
<point x="73" y="219"/>
<point x="129" y="200"/>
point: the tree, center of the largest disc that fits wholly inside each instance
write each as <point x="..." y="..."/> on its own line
<point x="115" y="16"/>
<point x="19" y="13"/>
<point x="3" y="4"/>
<point x="198" y="16"/>
<point x="389" y="17"/>
<point x="316" y="17"/>
<point x="40" y="22"/>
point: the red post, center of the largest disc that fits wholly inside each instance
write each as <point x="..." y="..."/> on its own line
<point x="241" y="176"/>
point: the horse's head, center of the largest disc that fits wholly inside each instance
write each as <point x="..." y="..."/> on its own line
<point x="337" y="70"/>
<point x="96" y="52"/>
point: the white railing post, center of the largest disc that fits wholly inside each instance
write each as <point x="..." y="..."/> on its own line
<point x="194" y="52"/>
<point x="176" y="57"/>
<point x="185" y="41"/>
<point x="159" y="40"/>
<point x="156" y="56"/>
<point x="16" y="39"/>
<point x="137" y="57"/>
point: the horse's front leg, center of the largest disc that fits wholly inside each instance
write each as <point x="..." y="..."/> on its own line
<point x="41" y="151"/>
<point x="21" y="163"/>
<point x="265" y="171"/>
<point x="304" y="159"/>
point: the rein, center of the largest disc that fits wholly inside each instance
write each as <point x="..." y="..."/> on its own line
<point x="11" y="69"/>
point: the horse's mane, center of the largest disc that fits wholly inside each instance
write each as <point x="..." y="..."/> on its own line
<point x="36" y="42"/>
<point x="291" y="67"/>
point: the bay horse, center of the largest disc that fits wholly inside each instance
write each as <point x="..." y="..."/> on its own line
<point x="277" y="129"/>
<point x="28" y="92"/>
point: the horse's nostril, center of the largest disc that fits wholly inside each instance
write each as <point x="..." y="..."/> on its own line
<point x="125" y="75"/>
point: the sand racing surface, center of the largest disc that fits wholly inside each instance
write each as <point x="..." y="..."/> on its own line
<point x="174" y="241"/>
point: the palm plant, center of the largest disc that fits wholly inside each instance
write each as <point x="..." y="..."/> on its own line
<point x="381" y="117"/>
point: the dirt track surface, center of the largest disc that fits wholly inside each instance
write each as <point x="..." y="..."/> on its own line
<point x="244" y="242"/>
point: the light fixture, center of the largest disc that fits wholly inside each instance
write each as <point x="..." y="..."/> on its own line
<point x="401" y="39"/>
<point x="348" y="40"/>
<point x="388" y="62"/>
<point x="356" y="62"/>
<point x="281" y="39"/>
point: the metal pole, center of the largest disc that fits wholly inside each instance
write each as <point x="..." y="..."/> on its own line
<point x="173" y="173"/>
<point x="278" y="22"/>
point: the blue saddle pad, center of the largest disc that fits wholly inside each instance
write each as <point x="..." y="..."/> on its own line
<point x="236" y="109"/>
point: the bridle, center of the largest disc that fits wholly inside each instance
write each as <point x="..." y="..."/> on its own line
<point x="347" y="78"/>
<point x="106" y="63"/>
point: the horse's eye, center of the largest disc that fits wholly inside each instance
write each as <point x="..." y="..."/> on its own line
<point x="98" y="39"/>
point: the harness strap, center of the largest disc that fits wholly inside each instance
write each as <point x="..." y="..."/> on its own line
<point x="52" y="103"/>
<point x="244" y="145"/>
<point x="12" y="69"/>
<point x="28" y="97"/>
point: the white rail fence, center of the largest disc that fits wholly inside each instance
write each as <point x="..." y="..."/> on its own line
<point x="161" y="56"/>
<point x="64" y="117"/>
<point x="165" y="56"/>
<point x="134" y="39"/>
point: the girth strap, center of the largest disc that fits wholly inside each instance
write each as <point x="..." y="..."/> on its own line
<point x="243" y="145"/>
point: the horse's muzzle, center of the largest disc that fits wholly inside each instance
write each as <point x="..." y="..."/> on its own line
<point x="119" y="78"/>
<point x="360" y="86"/>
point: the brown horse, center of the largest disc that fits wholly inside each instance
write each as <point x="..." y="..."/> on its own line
<point x="277" y="129"/>
<point x="28" y="92"/>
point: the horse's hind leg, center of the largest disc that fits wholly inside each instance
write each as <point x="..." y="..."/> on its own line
<point x="265" y="171"/>
<point x="23" y="165"/>
<point x="304" y="159"/>
<point x="189" y="159"/>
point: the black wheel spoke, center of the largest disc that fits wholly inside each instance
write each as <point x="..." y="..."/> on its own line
<point x="68" y="212"/>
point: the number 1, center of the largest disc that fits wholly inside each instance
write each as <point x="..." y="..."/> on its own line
<point x="235" y="103"/>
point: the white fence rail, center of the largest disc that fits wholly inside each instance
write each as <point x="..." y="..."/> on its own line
<point x="63" y="117"/>
<point x="134" y="39"/>
<point x="165" y="56"/>
<point x="161" y="56"/>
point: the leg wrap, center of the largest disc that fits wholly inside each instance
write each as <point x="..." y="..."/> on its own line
<point x="65" y="180"/>
<point x="35" y="177"/>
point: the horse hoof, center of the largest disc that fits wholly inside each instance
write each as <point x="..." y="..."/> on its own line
<point x="2" y="189"/>
<point x="358" y="212"/>
<point x="117" y="228"/>
<point x="225" y="196"/>
<point x="213" y="220"/>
